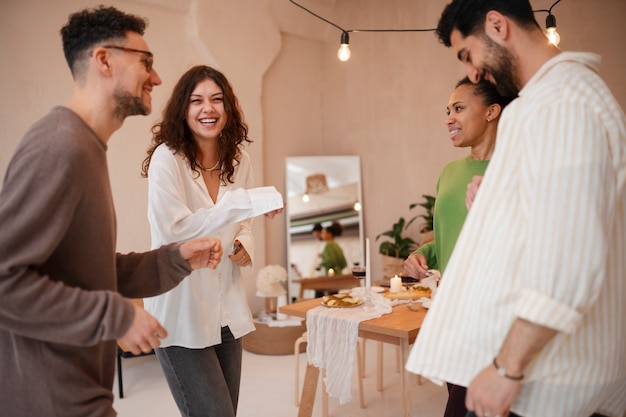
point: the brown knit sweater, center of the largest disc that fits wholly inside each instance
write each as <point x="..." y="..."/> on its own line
<point x="60" y="277"/>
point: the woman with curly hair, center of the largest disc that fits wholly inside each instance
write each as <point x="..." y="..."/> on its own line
<point x="199" y="180"/>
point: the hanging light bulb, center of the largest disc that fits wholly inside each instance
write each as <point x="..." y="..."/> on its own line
<point x="357" y="206"/>
<point x="344" y="50"/>
<point x="551" y="33"/>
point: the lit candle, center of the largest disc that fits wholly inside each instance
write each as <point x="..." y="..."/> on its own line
<point x="368" y="269"/>
<point x="395" y="284"/>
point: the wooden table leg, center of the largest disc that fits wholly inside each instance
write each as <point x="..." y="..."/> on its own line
<point x="324" y="395"/>
<point x="379" y="367"/>
<point x="404" y="374"/>
<point x="309" y="388"/>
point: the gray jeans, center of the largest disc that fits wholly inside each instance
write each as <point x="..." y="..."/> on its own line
<point x="204" y="382"/>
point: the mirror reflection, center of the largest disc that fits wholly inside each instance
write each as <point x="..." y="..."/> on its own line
<point x="323" y="191"/>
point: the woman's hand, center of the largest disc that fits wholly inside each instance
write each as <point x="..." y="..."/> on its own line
<point x="472" y="190"/>
<point x="415" y="266"/>
<point x="240" y="256"/>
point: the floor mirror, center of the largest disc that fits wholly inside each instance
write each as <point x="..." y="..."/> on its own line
<point x="321" y="190"/>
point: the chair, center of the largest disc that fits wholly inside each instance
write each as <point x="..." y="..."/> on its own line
<point x="123" y="352"/>
<point x="297" y="346"/>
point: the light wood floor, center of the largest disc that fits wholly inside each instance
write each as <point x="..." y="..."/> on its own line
<point x="267" y="389"/>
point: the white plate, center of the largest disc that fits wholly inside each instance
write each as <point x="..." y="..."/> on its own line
<point x="427" y="304"/>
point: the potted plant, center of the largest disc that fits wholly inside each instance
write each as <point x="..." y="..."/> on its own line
<point x="399" y="247"/>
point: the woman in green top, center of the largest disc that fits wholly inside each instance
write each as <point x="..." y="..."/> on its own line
<point x="332" y="254"/>
<point x="473" y="114"/>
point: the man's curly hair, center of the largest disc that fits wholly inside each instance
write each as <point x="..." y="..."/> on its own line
<point x="90" y="27"/>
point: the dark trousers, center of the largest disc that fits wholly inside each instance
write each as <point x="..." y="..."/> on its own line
<point x="455" y="407"/>
<point x="472" y="414"/>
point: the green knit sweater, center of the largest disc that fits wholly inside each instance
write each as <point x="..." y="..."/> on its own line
<point x="450" y="211"/>
<point x="332" y="257"/>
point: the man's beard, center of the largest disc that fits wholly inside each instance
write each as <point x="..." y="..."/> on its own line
<point x="128" y="105"/>
<point x="502" y="67"/>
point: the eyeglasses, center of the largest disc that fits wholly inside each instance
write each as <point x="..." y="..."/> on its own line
<point x="146" y="62"/>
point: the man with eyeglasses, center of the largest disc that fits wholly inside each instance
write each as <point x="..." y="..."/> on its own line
<point x="62" y="285"/>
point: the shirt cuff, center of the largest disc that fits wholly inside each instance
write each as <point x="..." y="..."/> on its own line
<point x="265" y="199"/>
<point x="545" y="311"/>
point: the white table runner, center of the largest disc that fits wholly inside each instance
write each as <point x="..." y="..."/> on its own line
<point x="332" y="338"/>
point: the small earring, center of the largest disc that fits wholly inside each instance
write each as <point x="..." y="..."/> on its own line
<point x="488" y="119"/>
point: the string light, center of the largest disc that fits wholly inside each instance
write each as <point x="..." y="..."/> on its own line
<point x="344" y="50"/>
<point x="551" y="32"/>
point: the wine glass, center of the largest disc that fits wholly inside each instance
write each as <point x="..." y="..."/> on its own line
<point x="411" y="283"/>
<point x="359" y="272"/>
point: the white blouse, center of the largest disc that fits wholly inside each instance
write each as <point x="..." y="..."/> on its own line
<point x="179" y="209"/>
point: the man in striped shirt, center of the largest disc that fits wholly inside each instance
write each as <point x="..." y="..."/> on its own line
<point x="531" y="313"/>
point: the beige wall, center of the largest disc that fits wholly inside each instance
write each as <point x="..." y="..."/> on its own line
<point x="386" y="104"/>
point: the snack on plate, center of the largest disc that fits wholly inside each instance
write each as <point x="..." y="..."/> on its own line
<point x="341" y="300"/>
<point x="413" y="293"/>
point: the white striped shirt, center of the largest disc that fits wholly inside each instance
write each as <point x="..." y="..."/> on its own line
<point x="545" y="241"/>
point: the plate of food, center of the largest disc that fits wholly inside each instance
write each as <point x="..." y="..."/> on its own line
<point x="412" y="293"/>
<point x="341" y="301"/>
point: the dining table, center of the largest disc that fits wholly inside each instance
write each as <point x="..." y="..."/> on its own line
<point x="400" y="328"/>
<point x="327" y="283"/>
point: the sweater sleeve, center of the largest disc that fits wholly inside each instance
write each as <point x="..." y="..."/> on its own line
<point x="151" y="273"/>
<point x="428" y="250"/>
